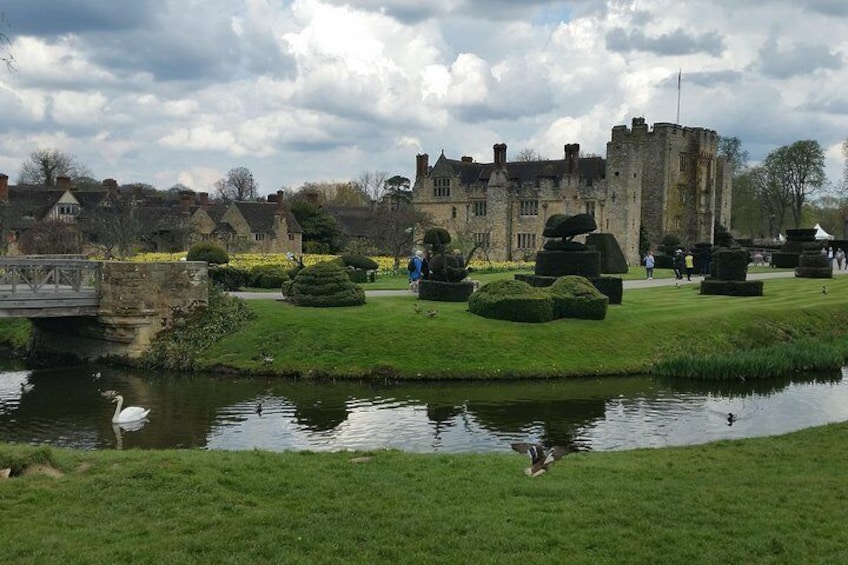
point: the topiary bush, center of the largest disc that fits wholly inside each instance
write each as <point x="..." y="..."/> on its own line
<point x="512" y="300"/>
<point x="446" y="268"/>
<point x="267" y="276"/>
<point x="357" y="275"/>
<point x="325" y="285"/>
<point x="208" y="251"/>
<point x="577" y="297"/>
<point x="731" y="264"/>
<point x="360" y="262"/>
<point x="437" y="238"/>
<point x="229" y="278"/>
<point x="441" y="291"/>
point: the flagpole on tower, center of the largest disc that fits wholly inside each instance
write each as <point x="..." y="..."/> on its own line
<point x="679" y="73"/>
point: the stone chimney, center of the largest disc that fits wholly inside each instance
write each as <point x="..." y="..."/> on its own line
<point x="467" y="159"/>
<point x="63" y="182"/>
<point x="281" y="203"/>
<point x="422" y="164"/>
<point x="500" y="154"/>
<point x="572" y="158"/>
<point x="186" y="199"/>
<point x="4" y="187"/>
<point x="204" y="200"/>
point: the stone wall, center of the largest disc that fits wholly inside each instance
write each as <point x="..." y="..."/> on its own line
<point x="136" y="301"/>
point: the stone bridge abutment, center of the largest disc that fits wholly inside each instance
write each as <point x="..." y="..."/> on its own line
<point x="136" y="301"/>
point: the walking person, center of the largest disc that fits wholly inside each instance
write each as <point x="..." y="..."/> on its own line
<point x="677" y="264"/>
<point x="649" y="266"/>
<point x="689" y="262"/>
<point x="414" y="267"/>
<point x="840" y="258"/>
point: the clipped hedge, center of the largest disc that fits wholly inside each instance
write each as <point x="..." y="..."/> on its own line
<point x="442" y="291"/>
<point x="612" y="258"/>
<point x="783" y="260"/>
<point x="512" y="300"/>
<point x="325" y="285"/>
<point x="229" y="278"/>
<point x="208" y="251"/>
<point x="360" y="262"/>
<point x="446" y="268"/>
<point x="577" y="297"/>
<point x="357" y="275"/>
<point x="732" y="288"/>
<point x="268" y="276"/>
<point x="558" y="263"/>
<point x="731" y="264"/>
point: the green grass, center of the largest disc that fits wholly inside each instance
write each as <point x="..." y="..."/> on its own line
<point x="766" y="500"/>
<point x="386" y="337"/>
<point x="15" y="333"/>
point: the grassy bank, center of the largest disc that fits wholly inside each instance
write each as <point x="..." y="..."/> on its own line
<point x="388" y="337"/>
<point x="768" y="500"/>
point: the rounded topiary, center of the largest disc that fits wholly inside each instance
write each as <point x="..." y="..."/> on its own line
<point x="360" y="262"/>
<point x="437" y="238"/>
<point x="208" y="251"/>
<point x="446" y="268"/>
<point x="512" y="300"/>
<point x="577" y="297"/>
<point x="325" y="285"/>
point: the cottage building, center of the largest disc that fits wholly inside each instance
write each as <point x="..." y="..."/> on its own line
<point x="667" y="179"/>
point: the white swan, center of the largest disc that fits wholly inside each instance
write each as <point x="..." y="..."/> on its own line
<point x="128" y="414"/>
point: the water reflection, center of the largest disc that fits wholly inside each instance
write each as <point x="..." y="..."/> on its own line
<point x="63" y="407"/>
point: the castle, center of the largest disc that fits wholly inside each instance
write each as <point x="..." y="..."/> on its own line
<point x="668" y="179"/>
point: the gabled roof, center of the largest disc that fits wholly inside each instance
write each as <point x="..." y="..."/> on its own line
<point x="260" y="216"/>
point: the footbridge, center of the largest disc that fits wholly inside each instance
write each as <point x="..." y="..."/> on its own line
<point x="95" y="309"/>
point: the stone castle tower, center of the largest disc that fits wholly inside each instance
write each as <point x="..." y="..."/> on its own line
<point x="665" y="180"/>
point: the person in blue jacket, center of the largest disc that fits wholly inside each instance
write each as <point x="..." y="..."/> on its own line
<point x="417" y="261"/>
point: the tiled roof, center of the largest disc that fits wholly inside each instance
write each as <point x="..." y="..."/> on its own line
<point x="260" y="216"/>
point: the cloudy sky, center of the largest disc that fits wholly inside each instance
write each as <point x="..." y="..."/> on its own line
<point x="168" y="91"/>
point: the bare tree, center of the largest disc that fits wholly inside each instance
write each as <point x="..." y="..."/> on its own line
<point x="372" y="184"/>
<point x="528" y="154"/>
<point x="51" y="237"/>
<point x="239" y="185"/>
<point x="395" y="230"/>
<point x="7" y="57"/>
<point x="44" y="166"/>
<point x="114" y="224"/>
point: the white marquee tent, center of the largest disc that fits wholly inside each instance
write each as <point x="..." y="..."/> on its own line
<point x="821" y="234"/>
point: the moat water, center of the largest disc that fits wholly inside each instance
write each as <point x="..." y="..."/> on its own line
<point x="63" y="407"/>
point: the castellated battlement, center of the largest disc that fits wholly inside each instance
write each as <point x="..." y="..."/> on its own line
<point x="639" y="130"/>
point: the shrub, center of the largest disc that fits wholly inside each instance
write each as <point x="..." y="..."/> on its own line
<point x="558" y="263"/>
<point x="612" y="258"/>
<point x="190" y="331"/>
<point x="360" y="262"/>
<point x="577" y="297"/>
<point x="208" y="251"/>
<point x="267" y="276"/>
<point x="229" y="278"/>
<point x="512" y="300"/>
<point x="357" y="275"/>
<point x="441" y="291"/>
<point x="438" y="238"/>
<point x="325" y="285"/>
<point x="731" y="264"/>
<point x="446" y="268"/>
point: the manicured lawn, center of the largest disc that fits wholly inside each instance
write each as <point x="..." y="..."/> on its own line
<point x="767" y="500"/>
<point x="387" y="337"/>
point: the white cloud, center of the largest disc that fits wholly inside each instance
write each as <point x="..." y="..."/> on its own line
<point x="308" y="90"/>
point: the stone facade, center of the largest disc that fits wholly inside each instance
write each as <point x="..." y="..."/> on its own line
<point x="668" y="179"/>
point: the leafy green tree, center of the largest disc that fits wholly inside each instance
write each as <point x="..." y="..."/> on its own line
<point x="44" y="166"/>
<point x="321" y="232"/>
<point x="397" y="190"/>
<point x="798" y="171"/>
<point x="731" y="149"/>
